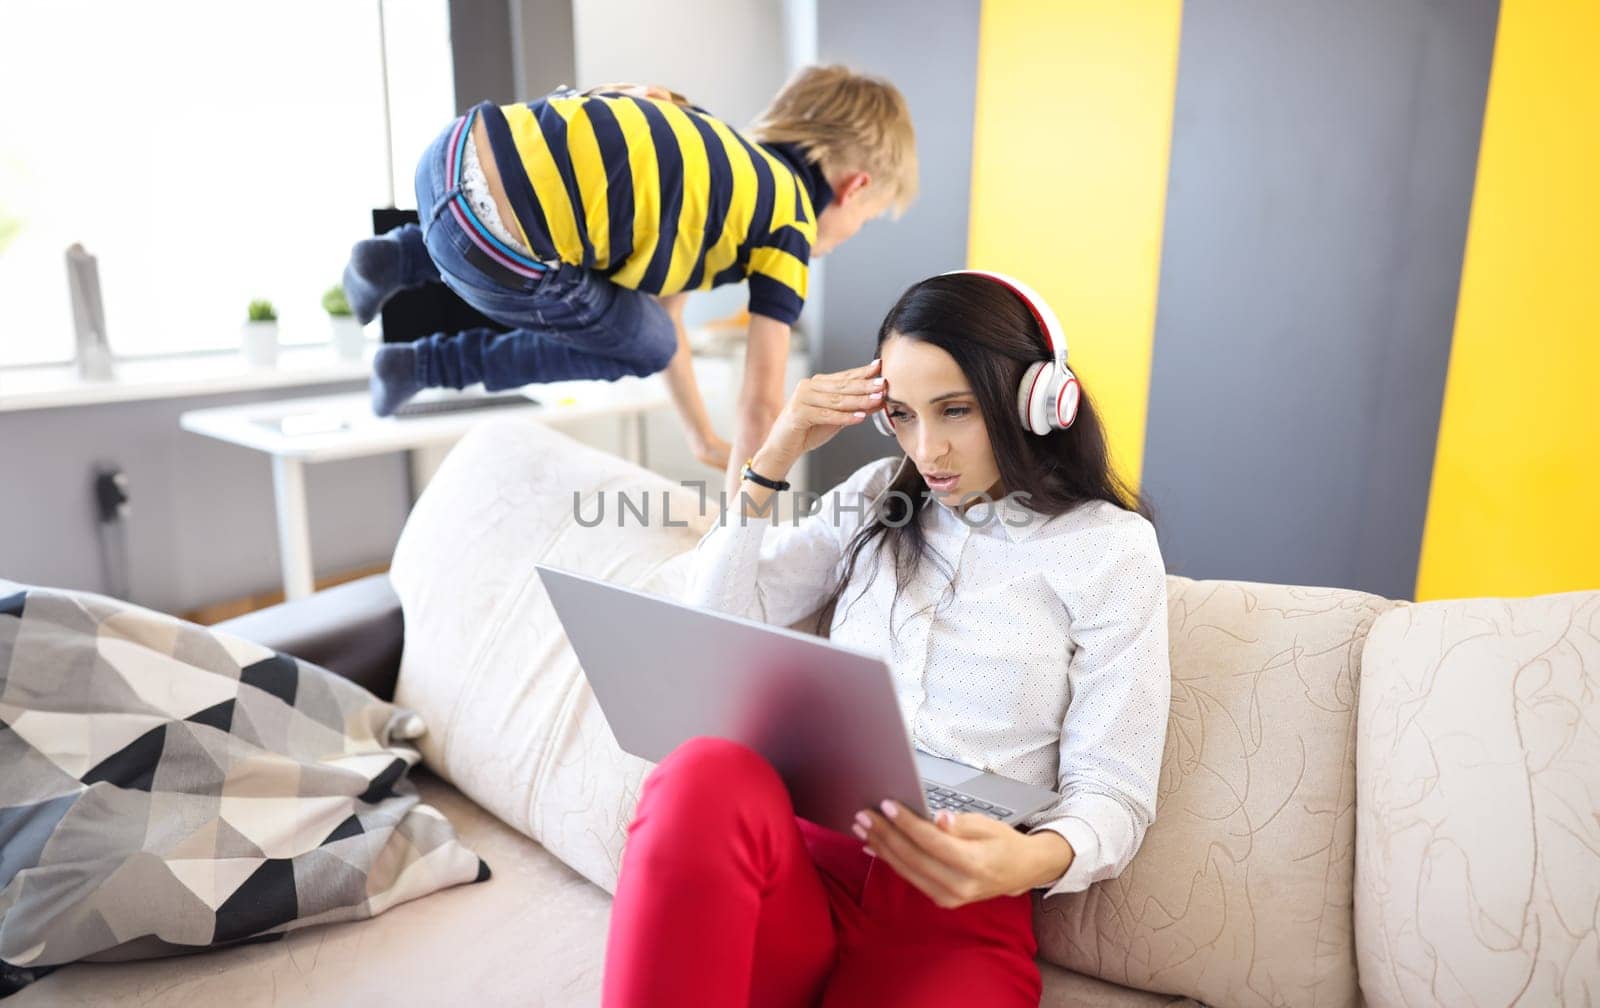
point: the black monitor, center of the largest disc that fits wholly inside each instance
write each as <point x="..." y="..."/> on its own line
<point x="423" y="311"/>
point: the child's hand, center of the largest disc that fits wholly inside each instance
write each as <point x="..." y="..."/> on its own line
<point x="711" y="450"/>
<point x="825" y="404"/>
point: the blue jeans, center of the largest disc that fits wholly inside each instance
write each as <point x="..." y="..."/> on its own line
<point x="567" y="322"/>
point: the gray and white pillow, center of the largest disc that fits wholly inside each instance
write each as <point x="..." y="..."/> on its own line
<point x="166" y="788"/>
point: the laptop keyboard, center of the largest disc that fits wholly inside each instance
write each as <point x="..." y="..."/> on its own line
<point x="430" y="407"/>
<point x="943" y="799"/>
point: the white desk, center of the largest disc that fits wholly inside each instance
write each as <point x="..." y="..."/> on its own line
<point x="361" y="433"/>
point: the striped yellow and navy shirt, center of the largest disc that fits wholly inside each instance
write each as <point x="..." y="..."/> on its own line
<point x="659" y="197"/>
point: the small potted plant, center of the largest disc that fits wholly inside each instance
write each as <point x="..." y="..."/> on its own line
<point x="261" y="334"/>
<point x="349" y="339"/>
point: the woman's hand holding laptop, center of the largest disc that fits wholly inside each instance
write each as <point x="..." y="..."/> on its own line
<point x="961" y="858"/>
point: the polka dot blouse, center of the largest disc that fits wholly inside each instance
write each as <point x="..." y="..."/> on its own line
<point x="1031" y="646"/>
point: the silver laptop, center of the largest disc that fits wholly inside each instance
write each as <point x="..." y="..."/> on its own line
<point x="824" y="715"/>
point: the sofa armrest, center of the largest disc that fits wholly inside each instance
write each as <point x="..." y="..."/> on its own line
<point x="354" y="630"/>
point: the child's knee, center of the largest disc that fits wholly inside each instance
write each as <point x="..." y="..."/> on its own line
<point x="658" y="341"/>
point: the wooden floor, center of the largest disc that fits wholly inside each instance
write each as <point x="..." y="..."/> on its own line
<point x="216" y="612"/>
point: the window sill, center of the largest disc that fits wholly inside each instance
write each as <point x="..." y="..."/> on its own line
<point x="176" y="377"/>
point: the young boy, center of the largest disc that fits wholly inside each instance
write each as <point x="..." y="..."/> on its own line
<point x="582" y="221"/>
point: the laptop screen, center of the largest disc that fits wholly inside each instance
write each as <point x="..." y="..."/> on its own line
<point x="423" y="311"/>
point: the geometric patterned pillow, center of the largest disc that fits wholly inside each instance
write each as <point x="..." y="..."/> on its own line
<point x="165" y="788"/>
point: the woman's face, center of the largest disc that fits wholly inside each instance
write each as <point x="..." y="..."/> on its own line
<point x="937" y="421"/>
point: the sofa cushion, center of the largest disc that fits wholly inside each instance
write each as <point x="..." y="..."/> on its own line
<point x="533" y="936"/>
<point x="1478" y="811"/>
<point x="485" y="657"/>
<point x="1240" y="894"/>
<point x="1066" y="989"/>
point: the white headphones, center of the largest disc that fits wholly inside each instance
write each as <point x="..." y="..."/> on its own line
<point x="1047" y="398"/>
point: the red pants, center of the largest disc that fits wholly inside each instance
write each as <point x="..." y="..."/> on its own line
<point x="726" y="898"/>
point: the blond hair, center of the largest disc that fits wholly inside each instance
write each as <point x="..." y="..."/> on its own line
<point x="847" y="121"/>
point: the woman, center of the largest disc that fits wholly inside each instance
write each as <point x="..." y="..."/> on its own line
<point x="1017" y="590"/>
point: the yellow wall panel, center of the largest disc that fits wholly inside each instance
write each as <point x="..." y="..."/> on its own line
<point x="1072" y="132"/>
<point x="1515" y="503"/>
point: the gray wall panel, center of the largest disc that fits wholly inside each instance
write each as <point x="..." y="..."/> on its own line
<point x="1323" y="163"/>
<point x="545" y="56"/>
<point x="937" y="72"/>
<point x="484" y="50"/>
<point x="510" y="50"/>
<point x="201" y="526"/>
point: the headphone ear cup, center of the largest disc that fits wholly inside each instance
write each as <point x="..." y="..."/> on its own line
<point x="1035" y="401"/>
<point x="1065" y="404"/>
<point x="881" y="420"/>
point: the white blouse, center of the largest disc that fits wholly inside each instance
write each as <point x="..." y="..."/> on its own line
<point x="1046" y="661"/>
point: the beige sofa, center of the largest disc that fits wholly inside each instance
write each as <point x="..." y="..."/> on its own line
<point x="1362" y="801"/>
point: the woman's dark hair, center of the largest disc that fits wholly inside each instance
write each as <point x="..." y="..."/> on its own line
<point x="993" y="337"/>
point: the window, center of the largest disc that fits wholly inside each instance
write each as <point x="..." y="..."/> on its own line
<point x="206" y="154"/>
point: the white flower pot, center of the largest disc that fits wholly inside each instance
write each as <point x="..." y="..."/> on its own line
<point x="261" y="344"/>
<point x="349" y="337"/>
